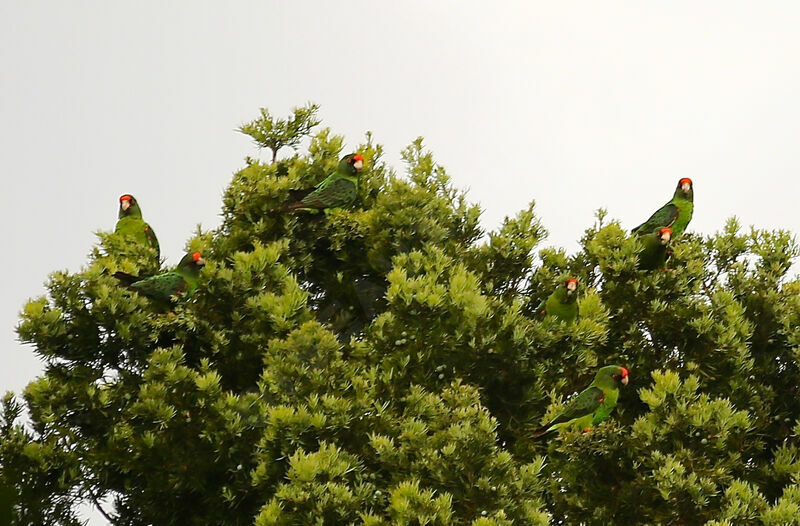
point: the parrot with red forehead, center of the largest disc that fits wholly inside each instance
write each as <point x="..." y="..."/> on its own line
<point x="562" y="304"/>
<point x="131" y="224"/>
<point x="182" y="281"/>
<point x="656" y="249"/>
<point x="675" y="215"/>
<point x="338" y="190"/>
<point x="593" y="405"/>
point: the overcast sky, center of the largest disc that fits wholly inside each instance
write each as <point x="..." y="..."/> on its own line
<point x="578" y="105"/>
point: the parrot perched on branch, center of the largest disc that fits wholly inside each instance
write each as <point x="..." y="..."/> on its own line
<point x="131" y="224"/>
<point x="562" y="303"/>
<point x="592" y="405"/>
<point x="675" y="215"/>
<point x="338" y="190"/>
<point x="182" y="281"/>
<point x="656" y="249"/>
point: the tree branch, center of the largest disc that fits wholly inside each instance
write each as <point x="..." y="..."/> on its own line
<point x="100" y="508"/>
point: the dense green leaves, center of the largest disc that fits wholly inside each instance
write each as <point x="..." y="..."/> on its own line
<point x="384" y="364"/>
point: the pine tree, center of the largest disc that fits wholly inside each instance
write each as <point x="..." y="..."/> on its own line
<point x="385" y="364"/>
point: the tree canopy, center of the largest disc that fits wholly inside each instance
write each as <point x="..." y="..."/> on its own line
<point x="385" y="364"/>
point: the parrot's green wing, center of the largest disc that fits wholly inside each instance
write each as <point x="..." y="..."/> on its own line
<point x="161" y="287"/>
<point x="584" y="404"/>
<point x="662" y="218"/>
<point x="152" y="240"/>
<point x="335" y="191"/>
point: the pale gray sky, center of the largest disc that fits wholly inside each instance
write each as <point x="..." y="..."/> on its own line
<point x="577" y="105"/>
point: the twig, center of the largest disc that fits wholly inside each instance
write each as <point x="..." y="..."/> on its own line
<point x="100" y="508"/>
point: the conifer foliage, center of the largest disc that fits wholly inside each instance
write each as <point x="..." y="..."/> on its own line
<point x="386" y="364"/>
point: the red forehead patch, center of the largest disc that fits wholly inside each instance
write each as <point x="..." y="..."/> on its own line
<point x="665" y="230"/>
<point x="196" y="256"/>
<point x="125" y="197"/>
<point x="624" y="372"/>
<point x="685" y="180"/>
<point x="358" y="157"/>
<point x="571" y="280"/>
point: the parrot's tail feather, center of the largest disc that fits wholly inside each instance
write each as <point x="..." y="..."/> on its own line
<point x="542" y="433"/>
<point x="125" y="278"/>
<point x="298" y="195"/>
<point x="292" y="208"/>
<point x="296" y="208"/>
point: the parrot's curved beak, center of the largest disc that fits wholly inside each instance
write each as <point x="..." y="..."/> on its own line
<point x="200" y="262"/>
<point x="358" y="164"/>
<point x="125" y="205"/>
<point x="665" y="238"/>
<point x="624" y="380"/>
<point x="686" y="186"/>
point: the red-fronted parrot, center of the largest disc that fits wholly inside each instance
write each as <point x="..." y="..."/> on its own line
<point x="338" y="190"/>
<point x="562" y="304"/>
<point x="675" y="215"/>
<point x="132" y="226"/>
<point x="592" y="405"/>
<point x="656" y="249"/>
<point x="182" y="281"/>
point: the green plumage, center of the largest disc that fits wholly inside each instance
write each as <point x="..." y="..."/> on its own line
<point x="339" y="189"/>
<point x="182" y="281"/>
<point x="593" y="405"/>
<point x="562" y="304"/>
<point x="656" y="251"/>
<point x="132" y="226"/>
<point x="676" y="214"/>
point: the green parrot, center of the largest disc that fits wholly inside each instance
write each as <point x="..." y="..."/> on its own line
<point x="592" y="405"/>
<point x="131" y="224"/>
<point x="562" y="303"/>
<point x="179" y="282"/>
<point x="656" y="249"/>
<point x="338" y="190"/>
<point x="676" y="214"/>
